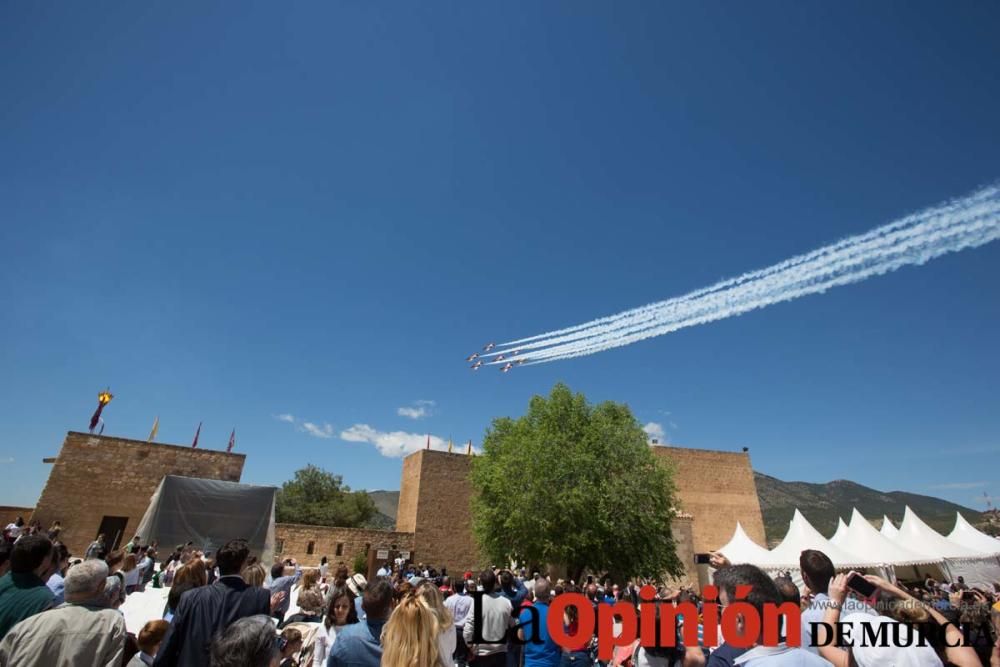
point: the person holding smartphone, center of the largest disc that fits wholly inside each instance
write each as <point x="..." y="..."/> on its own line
<point x="910" y="652"/>
<point x="817" y="571"/>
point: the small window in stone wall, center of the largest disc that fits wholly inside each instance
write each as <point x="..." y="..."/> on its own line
<point x="310" y="547"/>
<point x="340" y="548"/>
<point x="279" y="546"/>
<point x="368" y="547"/>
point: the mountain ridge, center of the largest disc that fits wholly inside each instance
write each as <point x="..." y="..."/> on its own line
<point x="820" y="503"/>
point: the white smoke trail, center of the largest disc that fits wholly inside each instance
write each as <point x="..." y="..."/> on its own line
<point x="846" y="248"/>
<point x="773" y="288"/>
<point x="916" y="239"/>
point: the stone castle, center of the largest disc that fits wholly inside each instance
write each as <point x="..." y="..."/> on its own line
<point x="104" y="484"/>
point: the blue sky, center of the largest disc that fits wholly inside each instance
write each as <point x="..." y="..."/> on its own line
<point x="297" y="220"/>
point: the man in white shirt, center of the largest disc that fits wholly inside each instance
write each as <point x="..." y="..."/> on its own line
<point x="817" y="572"/>
<point x="763" y="592"/>
<point x="460" y="606"/>
<point x="492" y="630"/>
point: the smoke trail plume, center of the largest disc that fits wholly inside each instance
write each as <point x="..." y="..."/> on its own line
<point x="957" y="225"/>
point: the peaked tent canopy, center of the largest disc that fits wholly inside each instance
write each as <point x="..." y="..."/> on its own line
<point x="838" y="536"/>
<point x="862" y="538"/>
<point x="966" y="535"/>
<point x="801" y="536"/>
<point x="917" y="536"/>
<point x="740" y="549"/>
<point x="888" y="529"/>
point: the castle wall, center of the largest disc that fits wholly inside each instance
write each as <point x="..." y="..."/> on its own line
<point x="681" y="528"/>
<point x="9" y="514"/>
<point x="717" y="489"/>
<point x="96" y="476"/>
<point x="409" y="494"/>
<point x="442" y="515"/>
<point x="292" y="541"/>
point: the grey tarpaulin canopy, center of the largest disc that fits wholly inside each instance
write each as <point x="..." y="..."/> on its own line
<point x="209" y="513"/>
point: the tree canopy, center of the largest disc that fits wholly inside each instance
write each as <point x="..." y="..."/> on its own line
<point x="577" y="485"/>
<point x="319" y="498"/>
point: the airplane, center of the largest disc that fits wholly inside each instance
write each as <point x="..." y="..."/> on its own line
<point x="515" y="353"/>
<point x="489" y="346"/>
<point x="507" y="367"/>
<point x="476" y="365"/>
<point x="521" y="360"/>
<point x="500" y="357"/>
<point x="472" y="356"/>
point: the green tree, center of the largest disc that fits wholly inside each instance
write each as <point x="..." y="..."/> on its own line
<point x="577" y="485"/>
<point x="319" y="498"/>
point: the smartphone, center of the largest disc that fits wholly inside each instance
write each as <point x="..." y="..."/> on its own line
<point x="861" y="586"/>
<point x="702" y="559"/>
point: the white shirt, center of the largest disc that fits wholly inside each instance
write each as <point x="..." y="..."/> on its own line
<point x="460" y="607"/>
<point x="382" y="572"/>
<point x="132" y="577"/>
<point x="324" y="642"/>
<point x="780" y="655"/>
<point x="814" y="614"/>
<point x="447" y="640"/>
<point x="14" y="530"/>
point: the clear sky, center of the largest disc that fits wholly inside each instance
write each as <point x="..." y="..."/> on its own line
<point x="231" y="213"/>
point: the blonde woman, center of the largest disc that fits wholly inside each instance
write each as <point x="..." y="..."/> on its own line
<point x="310" y="579"/>
<point x="254" y="575"/>
<point x="446" y="637"/>
<point x="410" y="637"/>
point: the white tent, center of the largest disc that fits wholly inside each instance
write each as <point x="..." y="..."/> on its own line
<point x="862" y="538"/>
<point x="801" y="536"/>
<point x="741" y="549"/>
<point x="917" y="536"/>
<point x="967" y="535"/>
<point x="976" y="567"/>
<point x="888" y="530"/>
<point x="840" y="534"/>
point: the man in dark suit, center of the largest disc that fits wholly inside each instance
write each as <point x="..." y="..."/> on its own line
<point x="206" y="611"/>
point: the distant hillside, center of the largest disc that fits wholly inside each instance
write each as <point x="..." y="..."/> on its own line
<point x="821" y="504"/>
<point x="386" y="503"/>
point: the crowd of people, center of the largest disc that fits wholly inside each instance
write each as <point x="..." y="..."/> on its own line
<point x="229" y="609"/>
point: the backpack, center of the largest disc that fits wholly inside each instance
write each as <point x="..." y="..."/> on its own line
<point x="309" y="632"/>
